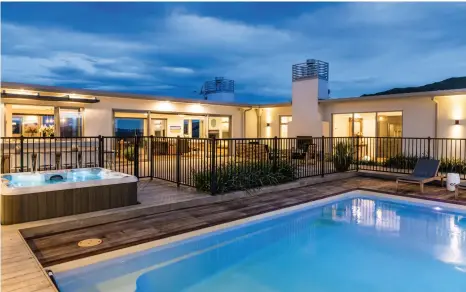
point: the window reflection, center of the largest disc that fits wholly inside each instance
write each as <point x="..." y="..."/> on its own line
<point x="70" y="123"/>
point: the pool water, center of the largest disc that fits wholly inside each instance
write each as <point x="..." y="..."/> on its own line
<point x="19" y="180"/>
<point x="362" y="243"/>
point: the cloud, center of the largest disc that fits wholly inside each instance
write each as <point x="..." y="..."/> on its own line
<point x="178" y="70"/>
<point x="370" y="47"/>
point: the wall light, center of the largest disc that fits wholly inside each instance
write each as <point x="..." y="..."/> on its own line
<point x="196" y="108"/>
<point x="165" y="106"/>
<point x="457" y="122"/>
<point x="268" y="124"/>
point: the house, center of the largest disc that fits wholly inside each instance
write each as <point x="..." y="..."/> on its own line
<point x="71" y="113"/>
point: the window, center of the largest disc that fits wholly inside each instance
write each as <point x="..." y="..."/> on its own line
<point x="70" y="122"/>
<point x="30" y="120"/>
<point x="17" y="124"/>
<point x="159" y="127"/>
<point x="219" y="127"/>
<point x="390" y="124"/>
<point x="186" y="127"/>
<point x="48" y="121"/>
<point x="284" y="120"/>
<point x="129" y="127"/>
<point x="195" y="128"/>
<point x="380" y="124"/>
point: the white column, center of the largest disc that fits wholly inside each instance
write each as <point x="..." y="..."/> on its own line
<point x="307" y="119"/>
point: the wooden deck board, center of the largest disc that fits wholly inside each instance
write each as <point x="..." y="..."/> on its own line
<point x="61" y="247"/>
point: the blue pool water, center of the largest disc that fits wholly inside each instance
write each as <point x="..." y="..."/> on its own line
<point x="18" y="180"/>
<point x="354" y="244"/>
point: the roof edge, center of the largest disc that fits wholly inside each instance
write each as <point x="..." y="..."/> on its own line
<point x="102" y="93"/>
<point x="399" y="95"/>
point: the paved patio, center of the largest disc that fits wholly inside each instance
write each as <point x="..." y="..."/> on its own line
<point x="59" y="247"/>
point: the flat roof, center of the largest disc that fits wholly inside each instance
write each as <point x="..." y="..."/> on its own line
<point x="398" y="95"/>
<point x="101" y="93"/>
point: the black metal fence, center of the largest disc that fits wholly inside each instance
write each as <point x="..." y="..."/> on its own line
<point x="206" y="163"/>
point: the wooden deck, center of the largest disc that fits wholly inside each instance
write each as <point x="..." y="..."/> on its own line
<point x="59" y="247"/>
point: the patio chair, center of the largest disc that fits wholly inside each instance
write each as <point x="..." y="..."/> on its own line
<point x="426" y="170"/>
<point x="461" y="186"/>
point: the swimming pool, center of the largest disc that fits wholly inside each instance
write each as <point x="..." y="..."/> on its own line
<point x="352" y="242"/>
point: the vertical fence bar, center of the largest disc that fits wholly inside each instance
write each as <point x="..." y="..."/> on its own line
<point x="178" y="162"/>
<point x="275" y="154"/>
<point x="21" y="151"/>
<point x="101" y="151"/>
<point x="428" y="147"/>
<point x="136" y="156"/>
<point x="151" y="156"/>
<point x="357" y="153"/>
<point x="322" y="157"/>
<point x="213" y="167"/>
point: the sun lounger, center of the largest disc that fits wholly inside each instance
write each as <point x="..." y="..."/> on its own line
<point x="426" y="170"/>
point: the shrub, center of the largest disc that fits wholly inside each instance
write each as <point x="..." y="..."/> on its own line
<point x="401" y="161"/>
<point x="247" y="176"/>
<point x="452" y="165"/>
<point x="342" y="156"/>
<point x="128" y="153"/>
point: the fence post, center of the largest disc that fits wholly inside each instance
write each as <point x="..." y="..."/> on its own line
<point x="322" y="158"/>
<point x="152" y="156"/>
<point x="213" y="167"/>
<point x="178" y="161"/>
<point x="21" y="153"/>
<point x="101" y="151"/>
<point x="136" y="156"/>
<point x="275" y="154"/>
<point x="357" y="153"/>
<point x="428" y="147"/>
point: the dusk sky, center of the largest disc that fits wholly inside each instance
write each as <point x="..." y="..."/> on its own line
<point x="170" y="49"/>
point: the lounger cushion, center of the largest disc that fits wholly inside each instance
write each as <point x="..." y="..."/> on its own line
<point x="426" y="168"/>
<point x="414" y="178"/>
<point x="462" y="185"/>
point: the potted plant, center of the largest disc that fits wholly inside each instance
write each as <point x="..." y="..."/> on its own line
<point x="128" y="153"/>
<point x="47" y="131"/>
<point x="342" y="156"/>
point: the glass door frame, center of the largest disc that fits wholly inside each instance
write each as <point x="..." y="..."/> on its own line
<point x="367" y="112"/>
<point x="280" y="124"/>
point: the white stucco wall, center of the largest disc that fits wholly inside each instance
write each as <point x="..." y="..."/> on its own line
<point x="99" y="116"/>
<point x="307" y="116"/>
<point x="451" y="108"/>
<point x="251" y="124"/>
<point x="419" y="115"/>
<point x="272" y="116"/>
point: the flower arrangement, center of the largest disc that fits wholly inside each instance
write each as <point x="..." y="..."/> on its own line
<point x="47" y="131"/>
<point x="31" y="129"/>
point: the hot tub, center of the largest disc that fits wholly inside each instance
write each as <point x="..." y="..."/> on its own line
<point x="48" y="194"/>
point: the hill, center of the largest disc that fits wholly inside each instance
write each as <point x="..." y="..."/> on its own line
<point x="447" y="84"/>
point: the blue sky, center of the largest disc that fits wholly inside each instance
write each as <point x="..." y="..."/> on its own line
<point x="172" y="48"/>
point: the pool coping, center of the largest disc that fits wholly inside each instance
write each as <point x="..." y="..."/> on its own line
<point x="131" y="250"/>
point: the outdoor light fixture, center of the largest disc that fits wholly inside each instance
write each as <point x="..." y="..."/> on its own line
<point x="457" y="122"/>
<point x="268" y="124"/>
